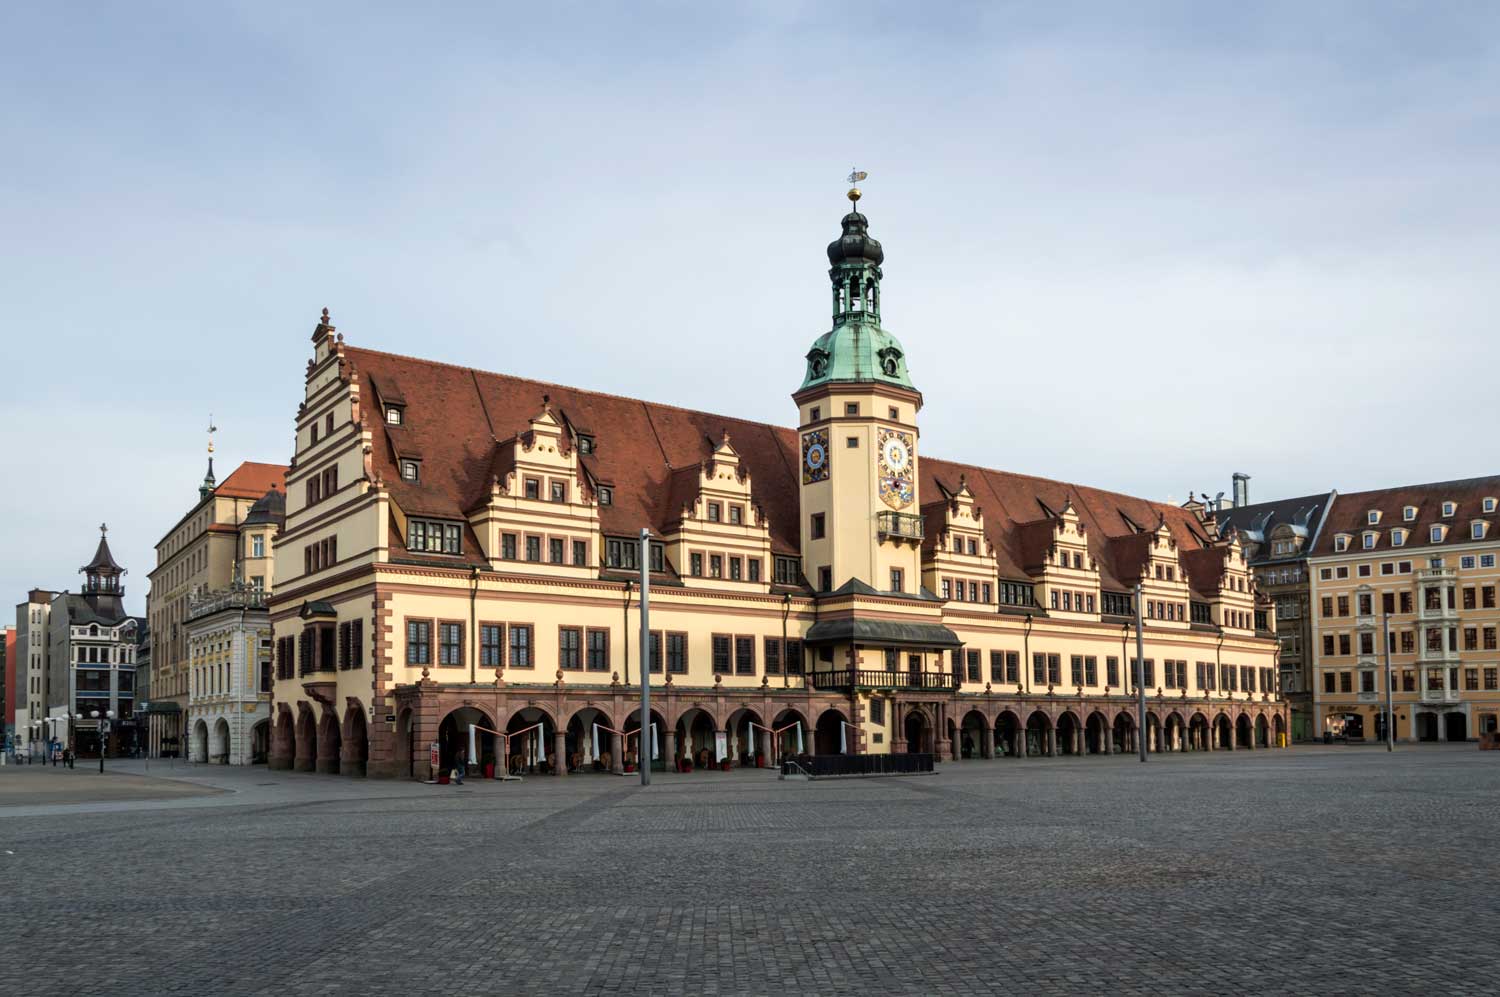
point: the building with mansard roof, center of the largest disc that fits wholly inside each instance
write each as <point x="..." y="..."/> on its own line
<point x="462" y="548"/>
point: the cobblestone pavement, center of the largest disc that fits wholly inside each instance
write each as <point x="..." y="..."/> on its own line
<point x="1317" y="870"/>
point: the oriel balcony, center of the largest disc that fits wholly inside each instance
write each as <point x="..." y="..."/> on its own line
<point x="902" y="525"/>
<point x="878" y="678"/>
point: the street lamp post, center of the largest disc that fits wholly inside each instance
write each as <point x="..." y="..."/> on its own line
<point x="103" y="733"/>
<point x="1390" y="711"/>
<point x="1140" y="673"/>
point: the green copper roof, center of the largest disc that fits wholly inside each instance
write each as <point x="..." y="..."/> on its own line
<point x="857" y="351"/>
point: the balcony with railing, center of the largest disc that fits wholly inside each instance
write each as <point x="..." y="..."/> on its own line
<point x="877" y="678"/>
<point x="902" y="525"/>
<point x="236" y="596"/>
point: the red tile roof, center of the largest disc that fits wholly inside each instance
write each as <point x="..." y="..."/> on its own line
<point x="455" y="416"/>
<point x="252" y="480"/>
<point x="1349" y="514"/>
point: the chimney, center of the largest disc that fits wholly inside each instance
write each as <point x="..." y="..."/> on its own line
<point x="1241" y="489"/>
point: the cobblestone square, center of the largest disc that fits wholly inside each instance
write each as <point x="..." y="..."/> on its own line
<point x="1317" y="870"/>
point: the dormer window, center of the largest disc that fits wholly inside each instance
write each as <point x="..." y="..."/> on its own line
<point x="736" y="515"/>
<point x="411" y="470"/>
<point x="606" y="495"/>
<point x="1436" y="534"/>
<point x="1372" y="517"/>
<point x="533" y="488"/>
<point x="1489" y="505"/>
<point x="1369" y="540"/>
<point x="713" y="512"/>
<point x="432" y="538"/>
<point x="1340" y="544"/>
<point x="1449" y="508"/>
<point x="559" y="491"/>
<point x="1398" y="538"/>
<point x="393" y="415"/>
<point x="1409" y="513"/>
<point x="585" y="444"/>
<point x="1476" y="530"/>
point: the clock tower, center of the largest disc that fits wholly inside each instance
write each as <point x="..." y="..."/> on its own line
<point x="857" y="425"/>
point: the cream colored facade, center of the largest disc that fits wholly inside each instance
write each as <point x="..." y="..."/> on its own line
<point x="1423" y="603"/>
<point x="772" y="629"/>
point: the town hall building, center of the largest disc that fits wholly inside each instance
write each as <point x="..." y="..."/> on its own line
<point x="461" y="548"/>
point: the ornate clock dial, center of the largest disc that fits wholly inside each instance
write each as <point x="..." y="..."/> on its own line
<point x="896" y="456"/>
<point x="815" y="456"/>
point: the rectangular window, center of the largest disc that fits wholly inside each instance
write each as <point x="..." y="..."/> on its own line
<point x="898" y="580"/>
<point x="1346" y="682"/>
<point x="1039" y="669"/>
<point x="1013" y="667"/>
<point x="752" y="569"/>
<point x="736" y="515"/>
<point x="695" y="565"/>
<point x="819" y="526"/>
<point x="677" y="653"/>
<point x="450" y="644"/>
<point x="533" y="549"/>
<point x="1328" y="682"/>
<point x="735" y="569"/>
<point x="1090" y="671"/>
<point x="418" y="642"/>
<point x="1054" y="669"/>
<point x="716" y="565"/>
<point x="533" y="488"/>
<point x="794" y="657"/>
<point x="569" y="648"/>
<point x="744" y="655"/>
<point x="580" y="552"/>
<point x="1112" y="672"/>
<point x="555" y="551"/>
<point x="508" y="546"/>
<point x="491" y="640"/>
<point x="598" y="660"/>
<point x="714" y="512"/>
<point x="654" y="646"/>
<point x="997" y="667"/>
<point x="721" y="647"/>
<point x="520" y="645"/>
<point x="1077" y="669"/>
<point x="1471" y="679"/>
<point x="971" y="664"/>
<point x="773" y="656"/>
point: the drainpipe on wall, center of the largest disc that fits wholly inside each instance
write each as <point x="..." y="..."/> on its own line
<point x="626" y="632"/>
<point x="1026" y="650"/>
<point x="473" y="632"/>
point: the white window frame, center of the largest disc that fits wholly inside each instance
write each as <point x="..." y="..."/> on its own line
<point x="1372" y="517"/>
<point x="1369" y="541"/>
<point x="1449" y="508"/>
<point x="1476" y="531"/>
<point x="1435" y="534"/>
<point x="1340" y="544"/>
<point x="1409" y="513"/>
<point x="1398" y="538"/>
<point x="1489" y="504"/>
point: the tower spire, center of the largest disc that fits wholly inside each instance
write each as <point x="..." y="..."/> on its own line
<point x="206" y="489"/>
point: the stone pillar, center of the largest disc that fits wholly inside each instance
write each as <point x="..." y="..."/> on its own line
<point x="1021" y="748"/>
<point x="1108" y="737"/>
<point x="560" y="758"/>
<point x="1051" y="750"/>
<point x="765" y="746"/>
<point x="987" y="743"/>
<point x="617" y="757"/>
<point x="1442" y="726"/>
<point x="669" y="745"/>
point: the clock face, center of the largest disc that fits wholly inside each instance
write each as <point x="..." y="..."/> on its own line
<point x="895" y="469"/>
<point x="815" y="456"/>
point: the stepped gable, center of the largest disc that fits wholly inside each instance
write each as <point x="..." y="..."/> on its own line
<point x="457" y="416"/>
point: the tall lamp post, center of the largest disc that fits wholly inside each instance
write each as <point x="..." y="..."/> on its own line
<point x="103" y="732"/>
<point x="1140" y="674"/>
<point x="1390" y="710"/>
<point x="647" y="741"/>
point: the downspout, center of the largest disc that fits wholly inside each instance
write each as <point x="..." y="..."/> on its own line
<point x="1026" y="661"/>
<point x="625" y="612"/>
<point x="473" y="631"/>
<point x="786" y="663"/>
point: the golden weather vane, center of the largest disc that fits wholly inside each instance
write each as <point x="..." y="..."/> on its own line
<point x="855" y="176"/>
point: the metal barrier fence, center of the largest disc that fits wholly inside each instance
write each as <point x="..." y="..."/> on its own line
<point x="914" y="763"/>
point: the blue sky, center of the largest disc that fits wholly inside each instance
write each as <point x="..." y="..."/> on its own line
<point x="1139" y="246"/>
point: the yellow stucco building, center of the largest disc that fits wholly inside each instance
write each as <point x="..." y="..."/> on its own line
<point x="461" y="548"/>
<point x="1406" y="578"/>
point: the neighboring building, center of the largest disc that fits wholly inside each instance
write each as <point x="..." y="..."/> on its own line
<point x="1418" y="561"/>
<point x="9" y="682"/>
<point x="1278" y="536"/>
<point x="199" y="554"/>
<point x="229" y="650"/>
<point x="81" y="649"/>
<point x="33" y="624"/>
<point x="462" y="547"/>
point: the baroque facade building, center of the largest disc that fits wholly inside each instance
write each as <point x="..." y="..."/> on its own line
<point x="201" y="553"/>
<point x="229" y="649"/>
<point x="461" y="547"/>
<point x="1406" y="578"/>
<point x="1278" y="537"/>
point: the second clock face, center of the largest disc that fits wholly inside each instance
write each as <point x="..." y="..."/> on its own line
<point x="896" y="459"/>
<point x="815" y="456"/>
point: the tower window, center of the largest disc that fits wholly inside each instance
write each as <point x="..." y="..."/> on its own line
<point x="894" y="413"/>
<point x="819" y="526"/>
<point x="851" y="408"/>
<point x="814" y="414"/>
<point x="852" y="442"/>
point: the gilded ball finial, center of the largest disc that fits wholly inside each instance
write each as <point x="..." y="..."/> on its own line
<point x="854" y="194"/>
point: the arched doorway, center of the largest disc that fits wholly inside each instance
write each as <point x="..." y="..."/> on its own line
<point x="1198" y="732"/>
<point x="918" y="732"/>
<point x="1069" y="733"/>
<point x="260" y="743"/>
<point x="307" y="740"/>
<point x="655" y="751"/>
<point x="1279" y="729"/>
<point x="1223" y="732"/>
<point x="1008" y="733"/>
<point x="284" y="739"/>
<point x="330" y="744"/>
<point x="405" y="748"/>
<point x="1175" y="739"/>
<point x="531" y="743"/>
<point x="1262" y="732"/>
<point x="833" y="738"/>
<point x="200" y="741"/>
<point x="589" y="740"/>
<point x="453" y="736"/>
<point x="1456" y="727"/>
<point x="749" y="741"/>
<point x="971" y="736"/>
<point x="1124" y="733"/>
<point x="1427" y="726"/>
<point x="1096" y="733"/>
<point x="1038" y="734"/>
<point x="356" y="754"/>
<point x="791" y="734"/>
<point x="697" y="740"/>
<point x="219" y="745"/>
<point x="1153" y="732"/>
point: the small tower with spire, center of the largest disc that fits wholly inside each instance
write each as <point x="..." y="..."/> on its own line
<point x="102" y="576"/>
<point x="207" y="488"/>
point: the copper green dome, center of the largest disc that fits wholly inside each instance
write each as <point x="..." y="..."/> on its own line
<point x="857" y="349"/>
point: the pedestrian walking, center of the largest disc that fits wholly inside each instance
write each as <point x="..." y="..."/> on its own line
<point x="459" y="762"/>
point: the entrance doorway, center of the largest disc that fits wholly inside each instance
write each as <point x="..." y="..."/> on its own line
<point x="1427" y="726"/>
<point x="1456" y="727"/>
<point x="918" y="732"/>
